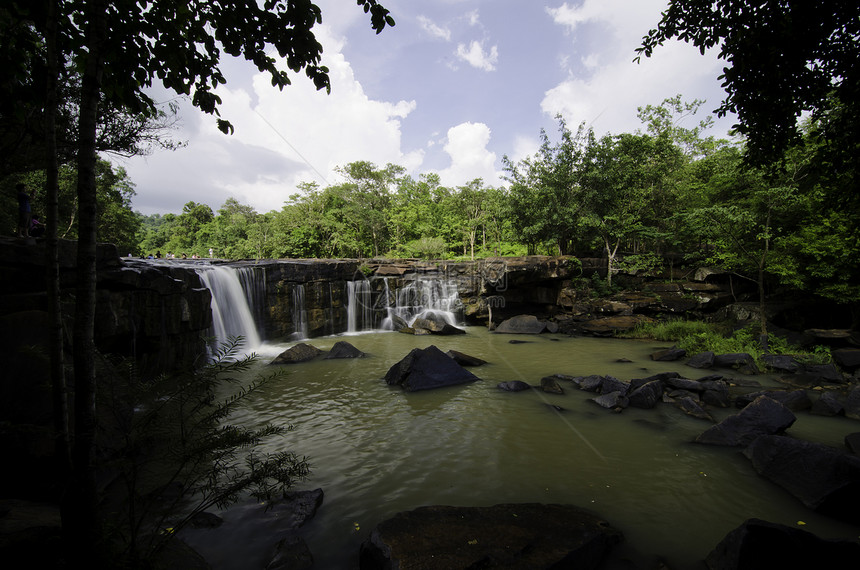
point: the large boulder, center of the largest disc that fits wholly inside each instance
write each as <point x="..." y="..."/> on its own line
<point x="763" y="416"/>
<point x="761" y="544"/>
<point x="795" y="400"/>
<point x="301" y="352"/>
<point x="647" y="395"/>
<point x="825" y="479"/>
<point x="702" y="360"/>
<point x="502" y="536"/>
<point x="465" y="359"/>
<point x="740" y="361"/>
<point x="521" y="324"/>
<point x="513" y="386"/>
<point x="669" y="354"/>
<point x="426" y="369"/>
<point x="343" y="349"/>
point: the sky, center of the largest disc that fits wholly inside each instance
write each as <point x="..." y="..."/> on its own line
<point x="452" y="88"/>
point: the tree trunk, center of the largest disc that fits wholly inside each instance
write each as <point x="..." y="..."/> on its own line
<point x="52" y="260"/>
<point x="85" y="530"/>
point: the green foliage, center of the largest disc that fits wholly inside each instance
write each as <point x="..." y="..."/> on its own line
<point x="698" y="336"/>
<point x="797" y="56"/>
<point x="176" y="454"/>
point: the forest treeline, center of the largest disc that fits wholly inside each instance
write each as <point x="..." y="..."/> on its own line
<point x="632" y="198"/>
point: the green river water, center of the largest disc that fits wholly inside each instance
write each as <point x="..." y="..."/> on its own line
<point x="377" y="450"/>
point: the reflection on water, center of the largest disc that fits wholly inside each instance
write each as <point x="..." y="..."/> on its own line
<point x="376" y="450"/>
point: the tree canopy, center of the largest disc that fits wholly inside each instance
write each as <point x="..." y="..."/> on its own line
<point x="784" y="58"/>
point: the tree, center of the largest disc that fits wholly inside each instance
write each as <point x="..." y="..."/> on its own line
<point x="546" y="196"/>
<point x="121" y="47"/>
<point x="785" y="57"/>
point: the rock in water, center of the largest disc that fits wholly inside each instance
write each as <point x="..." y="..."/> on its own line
<point x="428" y="368"/>
<point x="522" y="324"/>
<point x="763" y="417"/>
<point x="299" y="353"/>
<point x="343" y="349"/>
<point x="825" y="479"/>
<point x="465" y="359"/>
<point x="761" y="544"/>
<point x="502" y="536"/>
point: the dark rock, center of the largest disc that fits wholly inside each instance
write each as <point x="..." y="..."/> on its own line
<point x="449" y="330"/>
<point x="781" y="362"/>
<point x="761" y="544"/>
<point x="716" y="394"/>
<point x="817" y="374"/>
<point x="685" y="384"/>
<point x="828" y="404"/>
<point x="291" y="553"/>
<point x="465" y="359"/>
<point x="612" y="400"/>
<point x="432" y="322"/>
<point x="426" y="369"/>
<point x="591" y="383"/>
<point x="647" y="395"/>
<point x="636" y="383"/>
<point x="205" y="520"/>
<point x="847" y="358"/>
<point x="852" y="442"/>
<point x="795" y="400"/>
<point x="398" y="323"/>
<point x="764" y="416"/>
<point x="610" y="384"/>
<point x="552" y="327"/>
<point x="343" y="349"/>
<point x="823" y="478"/>
<point x="299" y="353"/>
<point x="501" y="536"/>
<point x="513" y="386"/>
<point x="296" y="508"/>
<point x="690" y="407"/>
<point x="740" y="361"/>
<point x="852" y="403"/>
<point x="669" y="354"/>
<point x="521" y="324"/>
<point x="702" y="360"/>
<point x="550" y="385"/>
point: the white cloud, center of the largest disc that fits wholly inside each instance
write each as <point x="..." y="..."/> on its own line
<point x="470" y="159"/>
<point x="608" y="86"/>
<point x="475" y="55"/>
<point x="433" y="29"/>
<point x="281" y="138"/>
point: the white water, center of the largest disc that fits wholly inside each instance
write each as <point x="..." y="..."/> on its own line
<point x="300" y="314"/>
<point x="421" y="299"/>
<point x="231" y="314"/>
<point x="359" y="306"/>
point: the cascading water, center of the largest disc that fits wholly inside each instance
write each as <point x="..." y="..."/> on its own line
<point x="253" y="280"/>
<point x="300" y="313"/>
<point x="231" y="314"/>
<point x="359" y="306"/>
<point x="423" y="298"/>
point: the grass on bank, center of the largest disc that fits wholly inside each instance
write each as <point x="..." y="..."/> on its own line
<point x="699" y="336"/>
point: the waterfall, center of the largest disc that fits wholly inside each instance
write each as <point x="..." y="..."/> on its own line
<point x="253" y="280"/>
<point x="359" y="306"/>
<point x="300" y="313"/>
<point x="422" y="298"/>
<point x="231" y="313"/>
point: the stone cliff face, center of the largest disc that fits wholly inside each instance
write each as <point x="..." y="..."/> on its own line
<point x="159" y="313"/>
<point x="156" y="314"/>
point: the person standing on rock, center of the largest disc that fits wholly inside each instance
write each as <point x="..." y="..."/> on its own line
<point x="25" y="211"/>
